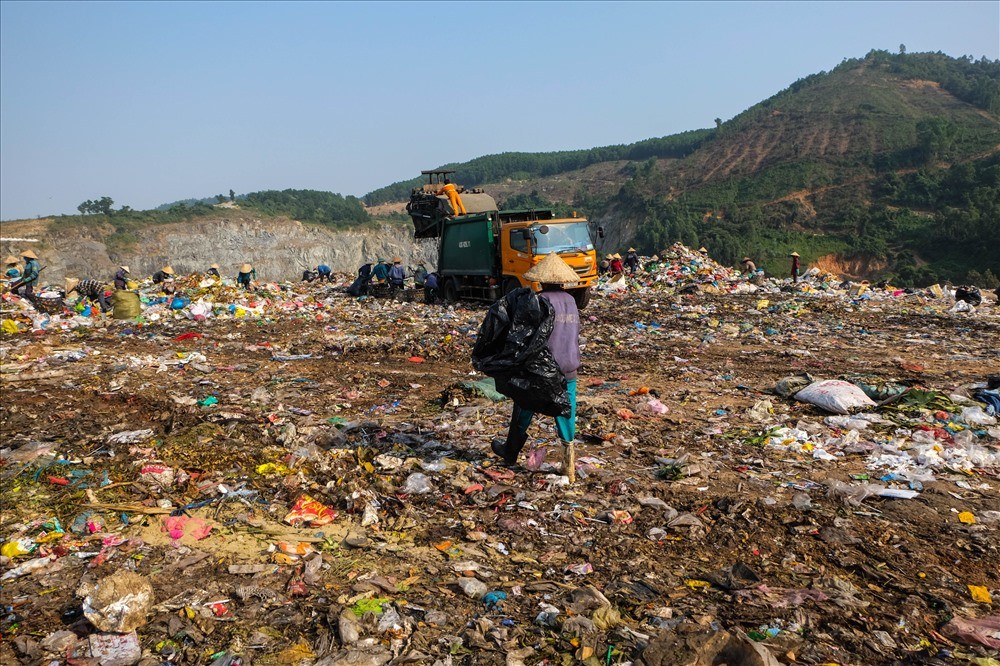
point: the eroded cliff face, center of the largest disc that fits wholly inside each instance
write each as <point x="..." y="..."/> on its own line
<point x="279" y="248"/>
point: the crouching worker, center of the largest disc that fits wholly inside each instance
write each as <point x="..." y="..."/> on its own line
<point x="431" y="288"/>
<point x="563" y="343"/>
<point x="246" y="275"/>
<point x="91" y="290"/>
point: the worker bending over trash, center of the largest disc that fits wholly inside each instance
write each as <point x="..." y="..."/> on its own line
<point x="12" y="269"/>
<point x="246" y="275"/>
<point x="92" y="290"/>
<point x="121" y="278"/>
<point x="164" y="273"/>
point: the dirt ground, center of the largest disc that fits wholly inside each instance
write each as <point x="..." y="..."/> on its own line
<point x="677" y="519"/>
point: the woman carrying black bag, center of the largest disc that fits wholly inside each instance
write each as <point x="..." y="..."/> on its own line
<point x="563" y="346"/>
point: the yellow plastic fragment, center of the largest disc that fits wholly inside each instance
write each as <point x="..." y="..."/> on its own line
<point x="980" y="594"/>
<point x="272" y="469"/>
<point x="967" y="517"/>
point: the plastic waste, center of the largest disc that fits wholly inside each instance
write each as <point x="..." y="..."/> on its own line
<point x="801" y="501"/>
<point x="472" y="587"/>
<point x="657" y="407"/>
<point x="31" y="566"/>
<point x="834" y="395"/>
<point x="130" y="437"/>
<point x="974" y="631"/>
<point x="310" y="512"/>
<point x="115" y="649"/>
<point x="119" y="602"/>
<point x="347" y="627"/>
<point x="977" y="416"/>
<point x="417" y="483"/>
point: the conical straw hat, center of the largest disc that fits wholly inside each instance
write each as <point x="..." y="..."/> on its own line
<point x="215" y="266"/>
<point x="631" y="249"/>
<point x="703" y="250"/>
<point x="168" y="270"/>
<point x="11" y="259"/>
<point x="246" y="268"/>
<point x="396" y="260"/>
<point x="71" y="284"/>
<point x="745" y="259"/>
<point x="29" y="254"/>
<point x="551" y="270"/>
<point x="794" y="254"/>
<point x="125" y="268"/>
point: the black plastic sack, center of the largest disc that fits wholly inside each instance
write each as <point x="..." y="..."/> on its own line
<point x="359" y="286"/>
<point x="511" y="348"/>
<point x="970" y="295"/>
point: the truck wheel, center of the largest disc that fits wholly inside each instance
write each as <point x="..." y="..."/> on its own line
<point x="449" y="291"/>
<point x="582" y="297"/>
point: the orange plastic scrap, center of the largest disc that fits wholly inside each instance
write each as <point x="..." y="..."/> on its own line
<point x="310" y="512"/>
<point x="642" y="390"/>
<point x="294" y="547"/>
<point x="626" y="413"/>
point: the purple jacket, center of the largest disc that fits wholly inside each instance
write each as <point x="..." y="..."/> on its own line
<point x="564" y="342"/>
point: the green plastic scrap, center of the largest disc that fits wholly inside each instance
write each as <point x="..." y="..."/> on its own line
<point x="486" y="388"/>
<point x="373" y="605"/>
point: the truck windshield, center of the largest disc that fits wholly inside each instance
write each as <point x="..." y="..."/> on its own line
<point x="567" y="237"/>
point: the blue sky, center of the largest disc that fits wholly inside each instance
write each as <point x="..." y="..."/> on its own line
<point x="152" y="102"/>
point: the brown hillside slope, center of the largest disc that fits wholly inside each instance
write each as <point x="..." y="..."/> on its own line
<point x="848" y="115"/>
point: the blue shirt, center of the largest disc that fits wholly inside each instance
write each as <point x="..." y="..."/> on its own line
<point x="30" y="272"/>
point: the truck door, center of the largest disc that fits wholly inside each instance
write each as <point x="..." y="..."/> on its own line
<point x="515" y="253"/>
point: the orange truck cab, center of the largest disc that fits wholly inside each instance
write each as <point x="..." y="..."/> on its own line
<point x="527" y="236"/>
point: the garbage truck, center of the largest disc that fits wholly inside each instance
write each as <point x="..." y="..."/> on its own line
<point x="483" y="253"/>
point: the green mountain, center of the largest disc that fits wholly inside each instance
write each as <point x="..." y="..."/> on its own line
<point x="885" y="166"/>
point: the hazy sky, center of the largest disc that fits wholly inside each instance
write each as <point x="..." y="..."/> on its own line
<point x="152" y="102"/>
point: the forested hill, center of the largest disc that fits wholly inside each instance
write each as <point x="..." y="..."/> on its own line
<point x="523" y="166"/>
<point x="887" y="164"/>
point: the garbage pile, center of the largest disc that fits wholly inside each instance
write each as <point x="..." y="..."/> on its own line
<point x="301" y="477"/>
<point x="681" y="270"/>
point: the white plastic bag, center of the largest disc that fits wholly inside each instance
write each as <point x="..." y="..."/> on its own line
<point x="834" y="395"/>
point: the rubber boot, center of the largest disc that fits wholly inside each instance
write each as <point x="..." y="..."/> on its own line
<point x="510" y="449"/>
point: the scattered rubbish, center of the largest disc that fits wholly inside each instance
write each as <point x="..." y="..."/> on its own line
<point x="333" y="500"/>
<point x="974" y="631"/>
<point x="307" y="511"/>
<point x="119" y="602"/>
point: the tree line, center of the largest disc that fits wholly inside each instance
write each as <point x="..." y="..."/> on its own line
<point x="523" y="166"/>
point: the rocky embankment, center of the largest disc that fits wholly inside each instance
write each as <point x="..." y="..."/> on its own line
<point x="279" y="248"/>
